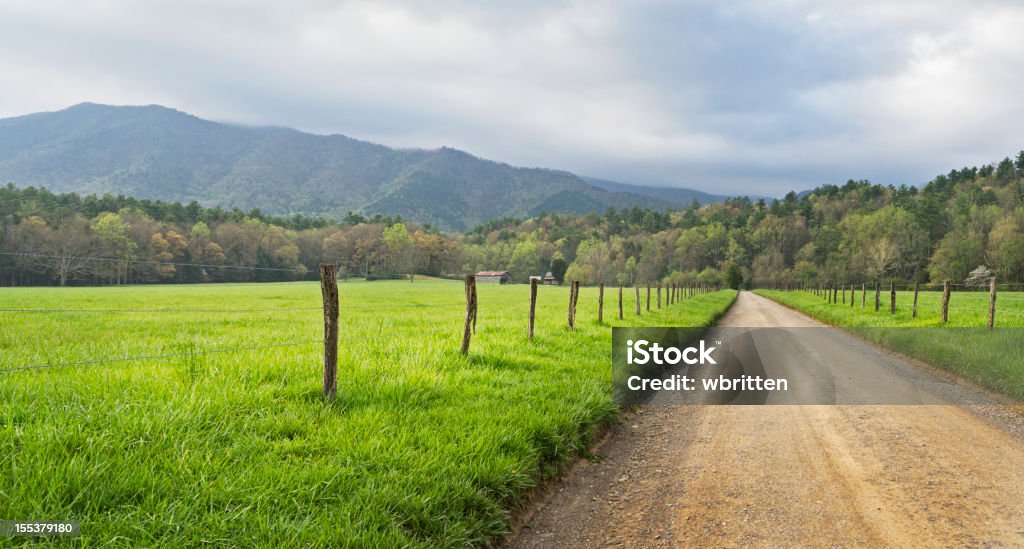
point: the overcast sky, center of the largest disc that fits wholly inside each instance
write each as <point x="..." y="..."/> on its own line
<point x="756" y="97"/>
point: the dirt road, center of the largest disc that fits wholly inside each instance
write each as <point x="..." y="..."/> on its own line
<point x="783" y="476"/>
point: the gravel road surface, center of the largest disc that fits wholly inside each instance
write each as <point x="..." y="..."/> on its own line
<point x="932" y="474"/>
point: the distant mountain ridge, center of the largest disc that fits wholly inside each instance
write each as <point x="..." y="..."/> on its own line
<point x="673" y="194"/>
<point x="161" y="153"/>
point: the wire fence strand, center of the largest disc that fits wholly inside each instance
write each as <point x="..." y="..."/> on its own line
<point x="160" y="356"/>
<point x="157" y="356"/>
<point x="152" y="262"/>
<point x="252" y="310"/>
<point x="272" y="309"/>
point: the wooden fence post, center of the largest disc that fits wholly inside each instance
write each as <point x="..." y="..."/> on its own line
<point x="648" y="298"/>
<point x="573" y="288"/>
<point x="600" y="303"/>
<point x="575" y="300"/>
<point x="892" y="298"/>
<point x="620" y="302"/>
<point x="945" y="301"/>
<point x="636" y="299"/>
<point x="878" y="296"/>
<point x="533" y="304"/>
<point x="659" y="295"/>
<point x="844" y="294"/>
<point x="470" y="327"/>
<point x="863" y="295"/>
<point x="329" y="291"/>
<point x="917" y="288"/>
<point x="852" y="300"/>
<point x="992" y="302"/>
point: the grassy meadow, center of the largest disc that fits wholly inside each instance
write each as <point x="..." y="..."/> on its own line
<point x="212" y="445"/>
<point x="965" y="346"/>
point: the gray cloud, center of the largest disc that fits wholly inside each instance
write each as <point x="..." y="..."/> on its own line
<point x="740" y="97"/>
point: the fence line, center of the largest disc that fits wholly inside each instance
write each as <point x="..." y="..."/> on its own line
<point x="140" y="358"/>
<point x="829" y="292"/>
<point x="256" y="310"/>
<point x="152" y="262"/>
<point x="159" y="310"/>
<point x="330" y="308"/>
<point x="158" y="356"/>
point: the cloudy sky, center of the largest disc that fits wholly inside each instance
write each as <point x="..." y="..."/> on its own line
<point x="752" y="97"/>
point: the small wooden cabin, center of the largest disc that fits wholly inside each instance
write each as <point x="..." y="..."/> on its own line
<point x="549" y="278"/>
<point x="501" y="277"/>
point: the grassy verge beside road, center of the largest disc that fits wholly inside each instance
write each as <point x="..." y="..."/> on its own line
<point x="991" y="358"/>
<point x="421" y="447"/>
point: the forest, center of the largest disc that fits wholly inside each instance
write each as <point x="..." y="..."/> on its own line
<point x="856" y="232"/>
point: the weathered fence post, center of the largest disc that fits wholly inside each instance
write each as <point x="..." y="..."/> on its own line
<point x="863" y="295"/>
<point x="533" y="304"/>
<point x="945" y="301"/>
<point x="844" y="294"/>
<point x="992" y="302"/>
<point x="852" y="294"/>
<point x="600" y="303"/>
<point x="573" y="288"/>
<point x="659" y="295"/>
<point x="329" y="291"/>
<point x="470" y="327"/>
<point x="878" y="296"/>
<point x="892" y="298"/>
<point x="620" y="302"/>
<point x="648" y="298"/>
<point x="575" y="300"/>
<point x="636" y="299"/>
<point x="917" y="288"/>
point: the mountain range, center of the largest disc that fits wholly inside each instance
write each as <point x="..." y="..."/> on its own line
<point x="161" y="153"/>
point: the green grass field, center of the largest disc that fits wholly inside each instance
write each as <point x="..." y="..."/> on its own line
<point x="992" y="358"/>
<point x="238" y="448"/>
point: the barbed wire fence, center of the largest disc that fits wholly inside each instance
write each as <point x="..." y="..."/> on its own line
<point x="835" y="294"/>
<point x="331" y="307"/>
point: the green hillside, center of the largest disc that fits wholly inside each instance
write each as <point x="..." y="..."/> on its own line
<point x="153" y="152"/>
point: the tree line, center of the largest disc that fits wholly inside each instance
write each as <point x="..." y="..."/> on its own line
<point x="65" y="239"/>
<point x="855" y="232"/>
